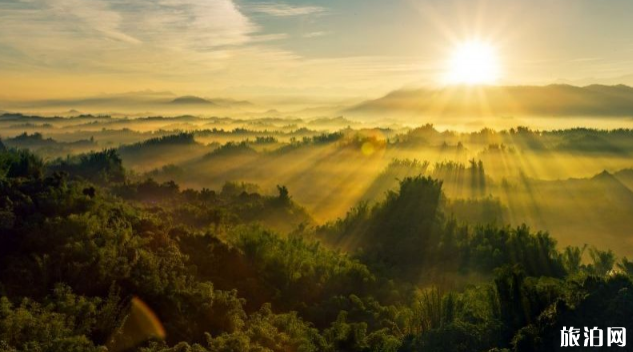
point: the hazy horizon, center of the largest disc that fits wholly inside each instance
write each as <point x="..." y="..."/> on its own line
<point x="451" y="107"/>
<point x="327" y="49"/>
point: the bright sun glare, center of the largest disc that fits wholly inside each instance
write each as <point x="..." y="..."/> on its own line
<point x="473" y="62"/>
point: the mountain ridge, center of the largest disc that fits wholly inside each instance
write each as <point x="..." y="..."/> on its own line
<point x="548" y="100"/>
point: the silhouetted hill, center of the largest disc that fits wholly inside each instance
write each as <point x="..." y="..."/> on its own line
<point x="138" y="102"/>
<point x="190" y="99"/>
<point x="194" y="100"/>
<point x="591" y="210"/>
<point x="551" y="100"/>
<point x="160" y="151"/>
<point x="46" y="146"/>
<point x="339" y="121"/>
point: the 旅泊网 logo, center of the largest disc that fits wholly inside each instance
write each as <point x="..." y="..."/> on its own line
<point x="592" y="337"/>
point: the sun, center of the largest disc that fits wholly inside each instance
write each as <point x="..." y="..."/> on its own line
<point x="472" y="63"/>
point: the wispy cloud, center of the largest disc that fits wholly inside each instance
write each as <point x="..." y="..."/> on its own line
<point x="284" y="10"/>
<point x="316" y="34"/>
<point x="52" y="47"/>
<point x="95" y="14"/>
<point x="190" y="24"/>
<point x="268" y="37"/>
<point x="140" y="37"/>
<point x="177" y="24"/>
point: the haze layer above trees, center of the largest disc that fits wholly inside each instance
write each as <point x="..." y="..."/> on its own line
<point x="552" y="180"/>
<point x="287" y="234"/>
<point x="461" y="107"/>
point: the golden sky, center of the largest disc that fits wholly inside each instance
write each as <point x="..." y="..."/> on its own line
<point x="329" y="48"/>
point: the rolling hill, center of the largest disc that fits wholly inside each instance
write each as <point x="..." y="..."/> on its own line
<point x="553" y="100"/>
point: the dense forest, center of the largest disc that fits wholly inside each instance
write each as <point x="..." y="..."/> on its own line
<point x="576" y="182"/>
<point x="96" y="258"/>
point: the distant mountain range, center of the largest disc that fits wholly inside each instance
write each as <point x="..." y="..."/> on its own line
<point x="134" y="101"/>
<point x="194" y="100"/>
<point x="190" y="99"/>
<point x="557" y="100"/>
<point x="551" y="100"/>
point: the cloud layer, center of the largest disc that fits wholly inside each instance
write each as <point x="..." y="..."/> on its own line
<point x="71" y="47"/>
<point x="284" y="10"/>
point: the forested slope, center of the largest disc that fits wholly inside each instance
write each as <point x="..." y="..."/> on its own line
<point x="86" y="254"/>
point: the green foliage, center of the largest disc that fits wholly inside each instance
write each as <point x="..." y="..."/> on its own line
<point x="626" y="266"/>
<point x="401" y="226"/>
<point x="169" y="140"/>
<point x="232" y="149"/>
<point x="99" y="167"/>
<point x="78" y="247"/>
<point x="63" y="322"/>
<point x="20" y="164"/>
<point x="603" y="261"/>
<point x="284" y="196"/>
<point x="237" y="203"/>
<point x="572" y="258"/>
<point x="233" y="189"/>
<point x="299" y="271"/>
<point x="407" y="235"/>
